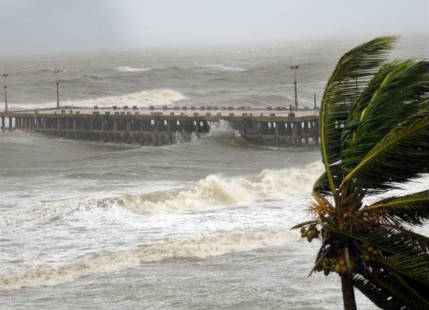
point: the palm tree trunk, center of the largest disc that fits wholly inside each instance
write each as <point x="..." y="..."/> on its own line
<point x="348" y="292"/>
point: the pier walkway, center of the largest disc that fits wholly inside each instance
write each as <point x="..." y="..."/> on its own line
<point x="276" y="126"/>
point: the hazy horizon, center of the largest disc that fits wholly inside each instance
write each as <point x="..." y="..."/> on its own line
<point x="47" y="27"/>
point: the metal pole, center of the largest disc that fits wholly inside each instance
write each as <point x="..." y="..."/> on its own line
<point x="295" y="86"/>
<point x="6" y="109"/>
<point x="58" y="88"/>
<point x="58" y="95"/>
<point x="315" y="102"/>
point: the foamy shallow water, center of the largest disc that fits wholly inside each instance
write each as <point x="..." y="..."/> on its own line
<point x="158" y="244"/>
<point x="132" y="239"/>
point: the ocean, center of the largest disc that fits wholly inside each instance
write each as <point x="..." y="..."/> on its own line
<point x="197" y="225"/>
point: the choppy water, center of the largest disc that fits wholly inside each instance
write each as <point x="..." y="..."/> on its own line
<point x="199" y="225"/>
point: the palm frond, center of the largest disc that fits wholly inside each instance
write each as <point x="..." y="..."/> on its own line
<point x="411" y="209"/>
<point x="388" y="299"/>
<point x="351" y="125"/>
<point x="405" y="256"/>
<point x="403" y="253"/>
<point x="391" y="96"/>
<point x="398" y="157"/>
<point x="388" y="291"/>
<point x="352" y="72"/>
<point x="391" y="240"/>
<point x="415" y="267"/>
<point x="402" y="93"/>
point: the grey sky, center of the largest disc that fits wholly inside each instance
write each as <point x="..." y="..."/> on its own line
<point x="44" y="26"/>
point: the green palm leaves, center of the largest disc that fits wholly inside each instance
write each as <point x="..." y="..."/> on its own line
<point x="374" y="131"/>
<point x="409" y="209"/>
<point x="343" y="88"/>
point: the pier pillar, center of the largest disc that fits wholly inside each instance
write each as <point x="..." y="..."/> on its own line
<point x="276" y="129"/>
<point x="316" y="132"/>
<point x="2" y="123"/>
<point x="10" y="123"/>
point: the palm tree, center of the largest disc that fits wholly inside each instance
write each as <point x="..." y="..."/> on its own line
<point x="374" y="135"/>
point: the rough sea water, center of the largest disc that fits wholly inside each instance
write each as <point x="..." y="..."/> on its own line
<point x="198" y="225"/>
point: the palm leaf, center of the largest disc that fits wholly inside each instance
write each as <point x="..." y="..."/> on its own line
<point x="411" y="209"/>
<point x="398" y="157"/>
<point x="400" y="95"/>
<point x="379" y="295"/>
<point x="404" y="253"/>
<point x="390" y="291"/>
<point x="352" y="123"/>
<point x="359" y="64"/>
<point x="391" y="240"/>
<point x="415" y="267"/>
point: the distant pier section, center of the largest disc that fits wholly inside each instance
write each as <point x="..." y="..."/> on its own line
<point x="274" y="126"/>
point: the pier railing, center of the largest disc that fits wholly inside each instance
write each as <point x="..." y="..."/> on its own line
<point x="166" y="125"/>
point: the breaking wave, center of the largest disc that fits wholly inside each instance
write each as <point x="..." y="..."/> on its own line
<point x="222" y="129"/>
<point x="141" y="99"/>
<point x="216" y="191"/>
<point x="131" y="69"/>
<point x="197" y="247"/>
<point x="221" y="67"/>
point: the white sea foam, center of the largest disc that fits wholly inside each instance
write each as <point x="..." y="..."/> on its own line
<point x="216" y="191"/>
<point x="221" y="129"/>
<point x="131" y="69"/>
<point x="141" y="99"/>
<point x="221" y="67"/>
<point x="196" y="247"/>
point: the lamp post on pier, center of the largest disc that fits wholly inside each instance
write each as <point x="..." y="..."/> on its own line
<point x="58" y="81"/>
<point x="294" y="68"/>
<point x="5" y="75"/>
<point x="315" y="102"/>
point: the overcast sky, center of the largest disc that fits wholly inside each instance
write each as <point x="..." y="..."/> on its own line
<point x="51" y="26"/>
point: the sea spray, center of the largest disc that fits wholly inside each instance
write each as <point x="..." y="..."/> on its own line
<point x="143" y="98"/>
<point x="221" y="129"/>
<point x="196" y="247"/>
<point x="216" y="191"/>
<point x="221" y="67"/>
<point x="131" y="69"/>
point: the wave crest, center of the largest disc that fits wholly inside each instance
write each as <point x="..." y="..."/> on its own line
<point x="196" y="247"/>
<point x="131" y="69"/>
<point x="216" y="191"/>
<point x="221" y="67"/>
<point x="142" y="99"/>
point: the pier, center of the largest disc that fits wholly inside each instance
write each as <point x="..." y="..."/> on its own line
<point x="274" y="126"/>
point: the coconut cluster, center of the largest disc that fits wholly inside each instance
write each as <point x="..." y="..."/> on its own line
<point x="369" y="252"/>
<point x="334" y="264"/>
<point x="310" y="233"/>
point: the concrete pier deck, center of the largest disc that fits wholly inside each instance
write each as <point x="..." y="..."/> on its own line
<point x="276" y="126"/>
